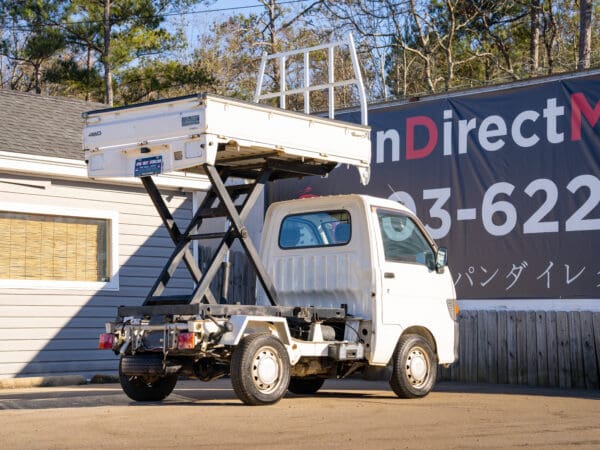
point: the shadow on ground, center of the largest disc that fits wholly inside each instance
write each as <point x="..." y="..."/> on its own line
<point x="220" y="393"/>
<point x="509" y="389"/>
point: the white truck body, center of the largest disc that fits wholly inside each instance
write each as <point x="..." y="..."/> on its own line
<point x="384" y="297"/>
<point x="378" y="295"/>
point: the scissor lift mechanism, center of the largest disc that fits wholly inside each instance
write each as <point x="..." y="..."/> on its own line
<point x="236" y="215"/>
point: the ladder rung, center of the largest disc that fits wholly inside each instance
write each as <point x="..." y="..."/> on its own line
<point x="196" y="237"/>
<point x="219" y="211"/>
<point x="239" y="189"/>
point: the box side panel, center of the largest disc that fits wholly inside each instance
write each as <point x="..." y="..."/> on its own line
<point x="185" y="134"/>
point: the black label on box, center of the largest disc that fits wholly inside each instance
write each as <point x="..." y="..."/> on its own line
<point x="190" y="120"/>
<point x="148" y="166"/>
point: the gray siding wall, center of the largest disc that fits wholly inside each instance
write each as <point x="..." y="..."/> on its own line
<point x="52" y="332"/>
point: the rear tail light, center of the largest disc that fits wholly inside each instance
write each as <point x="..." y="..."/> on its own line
<point x="186" y="341"/>
<point x="106" y="341"/>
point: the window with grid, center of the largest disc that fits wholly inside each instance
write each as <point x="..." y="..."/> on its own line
<point x="52" y="247"/>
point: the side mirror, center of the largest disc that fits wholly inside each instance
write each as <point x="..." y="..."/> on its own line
<point x="441" y="259"/>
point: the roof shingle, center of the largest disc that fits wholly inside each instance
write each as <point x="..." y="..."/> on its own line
<point x="41" y="125"/>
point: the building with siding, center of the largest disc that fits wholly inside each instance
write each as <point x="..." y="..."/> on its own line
<point x="71" y="249"/>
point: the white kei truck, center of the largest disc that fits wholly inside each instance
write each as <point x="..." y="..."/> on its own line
<point x="345" y="282"/>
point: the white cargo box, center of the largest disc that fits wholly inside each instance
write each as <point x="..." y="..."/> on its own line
<point x="184" y="133"/>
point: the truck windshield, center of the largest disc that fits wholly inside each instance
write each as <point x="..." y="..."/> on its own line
<point x="403" y="240"/>
<point x="315" y="229"/>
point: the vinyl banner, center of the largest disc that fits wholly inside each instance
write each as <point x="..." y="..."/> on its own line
<point x="507" y="179"/>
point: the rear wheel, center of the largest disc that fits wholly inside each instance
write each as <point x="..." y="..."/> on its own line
<point x="415" y="367"/>
<point x="146" y="388"/>
<point x="306" y="385"/>
<point x="260" y="369"/>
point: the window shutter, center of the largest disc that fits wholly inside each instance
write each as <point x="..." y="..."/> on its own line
<point x="45" y="247"/>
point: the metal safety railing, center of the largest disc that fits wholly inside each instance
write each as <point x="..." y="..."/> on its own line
<point x="307" y="88"/>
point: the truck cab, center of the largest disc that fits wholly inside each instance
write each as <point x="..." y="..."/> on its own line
<point x="371" y="255"/>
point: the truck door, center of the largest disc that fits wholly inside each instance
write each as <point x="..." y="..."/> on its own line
<point x="413" y="293"/>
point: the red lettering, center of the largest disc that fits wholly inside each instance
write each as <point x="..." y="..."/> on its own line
<point x="579" y="106"/>
<point x="411" y="124"/>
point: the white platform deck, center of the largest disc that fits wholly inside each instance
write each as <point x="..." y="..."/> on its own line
<point x="182" y="134"/>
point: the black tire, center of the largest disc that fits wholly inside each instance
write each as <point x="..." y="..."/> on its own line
<point x="306" y="385"/>
<point x="414" y="367"/>
<point x="260" y="370"/>
<point x="146" y="388"/>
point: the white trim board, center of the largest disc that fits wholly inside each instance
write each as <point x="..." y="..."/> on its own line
<point x="73" y="169"/>
<point x="541" y="304"/>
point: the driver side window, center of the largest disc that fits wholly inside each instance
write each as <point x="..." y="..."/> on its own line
<point x="403" y="241"/>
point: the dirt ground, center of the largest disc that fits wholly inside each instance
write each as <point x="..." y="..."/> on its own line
<point x="344" y="414"/>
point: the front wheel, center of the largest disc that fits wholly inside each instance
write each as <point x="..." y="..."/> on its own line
<point x="146" y="388"/>
<point x="260" y="370"/>
<point x="414" y="367"/>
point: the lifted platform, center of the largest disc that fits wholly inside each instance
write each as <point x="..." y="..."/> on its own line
<point x="186" y="133"/>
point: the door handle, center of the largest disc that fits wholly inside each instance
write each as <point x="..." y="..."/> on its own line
<point x="389" y="275"/>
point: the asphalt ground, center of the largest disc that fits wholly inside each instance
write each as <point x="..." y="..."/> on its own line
<point x="344" y="414"/>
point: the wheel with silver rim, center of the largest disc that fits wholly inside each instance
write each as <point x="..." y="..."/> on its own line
<point x="414" y="367"/>
<point x="260" y="369"/>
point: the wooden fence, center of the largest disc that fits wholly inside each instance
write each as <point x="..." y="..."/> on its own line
<point x="242" y="278"/>
<point x="536" y="348"/>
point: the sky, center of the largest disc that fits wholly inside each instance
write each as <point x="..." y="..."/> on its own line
<point x="203" y="15"/>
